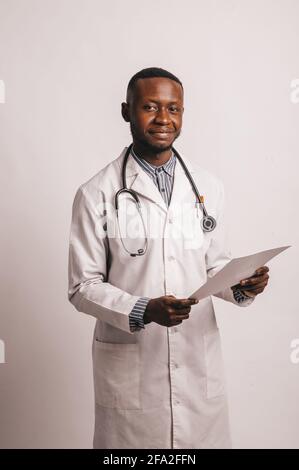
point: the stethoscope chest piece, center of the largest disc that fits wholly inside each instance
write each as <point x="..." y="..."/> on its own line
<point x="208" y="223"/>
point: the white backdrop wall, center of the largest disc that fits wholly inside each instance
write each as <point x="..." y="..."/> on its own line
<point x="65" y="65"/>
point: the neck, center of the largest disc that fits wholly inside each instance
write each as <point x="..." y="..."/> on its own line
<point x="156" y="158"/>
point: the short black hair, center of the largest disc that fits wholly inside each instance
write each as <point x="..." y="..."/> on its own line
<point x="151" y="72"/>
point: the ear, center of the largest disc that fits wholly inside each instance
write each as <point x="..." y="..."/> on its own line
<point x="125" y="112"/>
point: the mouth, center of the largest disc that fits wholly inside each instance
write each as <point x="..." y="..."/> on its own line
<point x="161" y="134"/>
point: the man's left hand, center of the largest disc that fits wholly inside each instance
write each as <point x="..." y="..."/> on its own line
<point x="256" y="283"/>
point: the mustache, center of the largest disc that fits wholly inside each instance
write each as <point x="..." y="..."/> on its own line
<point x="151" y="148"/>
<point x="147" y="146"/>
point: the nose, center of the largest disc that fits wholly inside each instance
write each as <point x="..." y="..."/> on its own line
<point x="162" y="116"/>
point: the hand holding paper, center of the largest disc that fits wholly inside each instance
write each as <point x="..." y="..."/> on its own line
<point x="234" y="271"/>
<point x="254" y="284"/>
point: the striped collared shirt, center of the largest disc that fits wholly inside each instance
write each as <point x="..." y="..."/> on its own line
<point x="162" y="175"/>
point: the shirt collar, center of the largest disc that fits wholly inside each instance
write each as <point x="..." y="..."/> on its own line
<point x="168" y="167"/>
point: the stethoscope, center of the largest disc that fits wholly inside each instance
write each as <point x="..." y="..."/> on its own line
<point x="208" y="223"/>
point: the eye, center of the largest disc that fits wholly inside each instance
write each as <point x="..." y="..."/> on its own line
<point x="148" y="107"/>
<point x="174" y="109"/>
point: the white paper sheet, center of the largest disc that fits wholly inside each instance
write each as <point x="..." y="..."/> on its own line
<point x="234" y="271"/>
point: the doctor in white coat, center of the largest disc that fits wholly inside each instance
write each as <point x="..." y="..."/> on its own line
<point x="158" y="370"/>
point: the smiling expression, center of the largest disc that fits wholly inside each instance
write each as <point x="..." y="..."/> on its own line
<point x="154" y="109"/>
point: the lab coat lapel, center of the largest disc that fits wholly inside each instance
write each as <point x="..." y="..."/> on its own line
<point x="140" y="182"/>
<point x="182" y="190"/>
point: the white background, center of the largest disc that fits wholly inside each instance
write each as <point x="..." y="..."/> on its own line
<point x="66" y="65"/>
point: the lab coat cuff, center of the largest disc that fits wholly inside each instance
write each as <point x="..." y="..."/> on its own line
<point x="106" y="303"/>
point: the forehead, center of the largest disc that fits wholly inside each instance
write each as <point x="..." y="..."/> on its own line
<point x="158" y="89"/>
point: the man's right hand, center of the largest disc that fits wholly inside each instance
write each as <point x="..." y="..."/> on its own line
<point x="168" y="310"/>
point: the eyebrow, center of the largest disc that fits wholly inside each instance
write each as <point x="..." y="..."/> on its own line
<point x="157" y="102"/>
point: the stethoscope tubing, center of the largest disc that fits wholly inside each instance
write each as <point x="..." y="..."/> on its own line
<point x="208" y="223"/>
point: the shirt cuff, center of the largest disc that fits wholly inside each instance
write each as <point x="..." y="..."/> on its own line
<point x="240" y="296"/>
<point x="136" y="320"/>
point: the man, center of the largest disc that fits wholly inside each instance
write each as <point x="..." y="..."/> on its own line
<point x="158" y="371"/>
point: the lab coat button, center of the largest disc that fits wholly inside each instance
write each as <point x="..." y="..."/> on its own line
<point x="173" y="330"/>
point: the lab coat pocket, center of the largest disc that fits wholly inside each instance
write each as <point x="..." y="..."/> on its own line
<point x="215" y="381"/>
<point x="117" y="375"/>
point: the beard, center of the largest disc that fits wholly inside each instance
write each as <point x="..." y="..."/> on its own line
<point x="147" y="146"/>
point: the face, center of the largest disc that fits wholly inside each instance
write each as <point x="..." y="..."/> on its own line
<point x="155" y="111"/>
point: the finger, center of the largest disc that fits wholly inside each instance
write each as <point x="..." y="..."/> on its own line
<point x="254" y="293"/>
<point x="248" y="293"/>
<point x="254" y="280"/>
<point x="252" y="287"/>
<point x="259" y="291"/>
<point x="259" y="273"/>
<point x="180" y="319"/>
<point x="183" y="303"/>
<point x="182" y="311"/>
<point x="177" y="322"/>
<point x="261" y="270"/>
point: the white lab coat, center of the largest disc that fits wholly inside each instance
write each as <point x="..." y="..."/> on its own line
<point x="157" y="387"/>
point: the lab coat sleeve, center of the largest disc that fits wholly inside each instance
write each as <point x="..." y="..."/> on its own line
<point x="88" y="289"/>
<point x="218" y="253"/>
